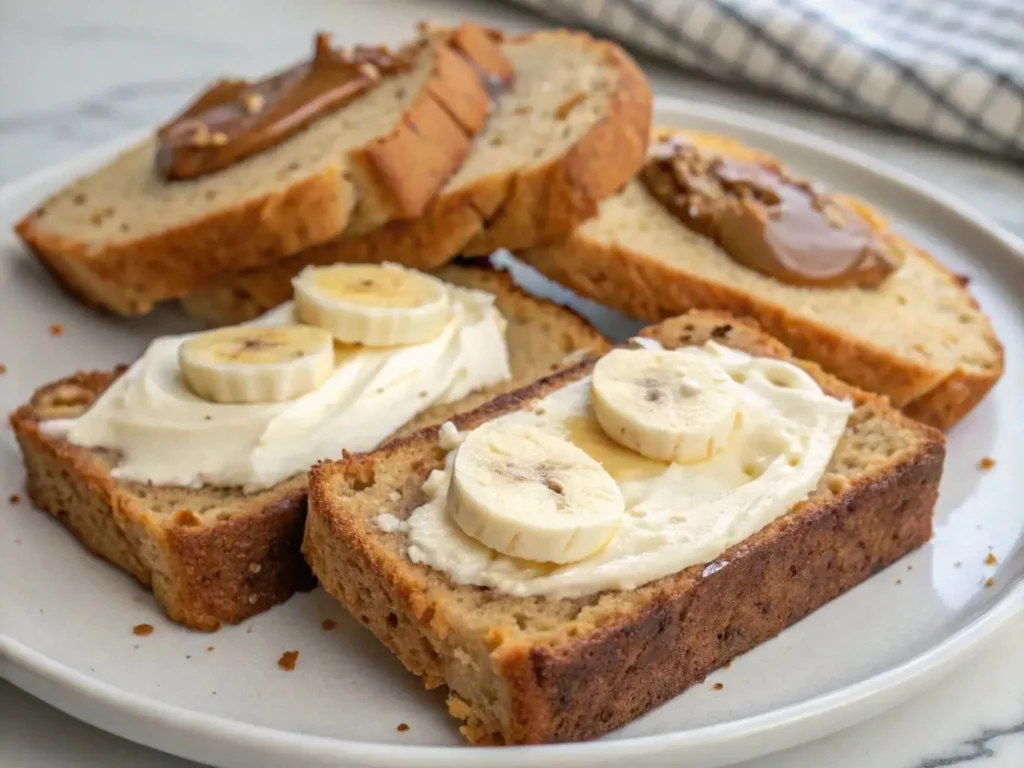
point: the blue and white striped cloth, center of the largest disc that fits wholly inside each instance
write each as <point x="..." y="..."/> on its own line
<point x="950" y="69"/>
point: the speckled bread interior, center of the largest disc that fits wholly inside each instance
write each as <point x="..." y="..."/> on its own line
<point x="123" y="238"/>
<point x="570" y="131"/>
<point x="533" y="670"/>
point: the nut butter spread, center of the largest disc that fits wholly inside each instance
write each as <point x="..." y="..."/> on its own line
<point x="768" y="220"/>
<point x="234" y="119"/>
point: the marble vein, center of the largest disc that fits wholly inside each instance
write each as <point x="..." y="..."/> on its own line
<point x="980" y="747"/>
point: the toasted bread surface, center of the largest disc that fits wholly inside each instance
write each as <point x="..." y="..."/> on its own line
<point x="533" y="669"/>
<point x="218" y="555"/>
<point x="124" y="238"/>
<point x="570" y="131"/>
<point x="919" y="338"/>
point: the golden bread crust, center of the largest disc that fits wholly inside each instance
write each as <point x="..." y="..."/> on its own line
<point x="649" y="644"/>
<point x="542" y="203"/>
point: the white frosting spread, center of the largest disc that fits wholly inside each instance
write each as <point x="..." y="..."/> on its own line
<point x="676" y="515"/>
<point x="166" y="434"/>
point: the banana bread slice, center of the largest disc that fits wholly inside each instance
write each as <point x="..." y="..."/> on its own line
<point x="124" y="238"/>
<point x="534" y="669"/>
<point x="218" y="555"/>
<point x="919" y="337"/>
<point x="570" y="131"/>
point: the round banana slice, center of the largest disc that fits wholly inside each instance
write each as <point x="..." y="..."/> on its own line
<point x="378" y="305"/>
<point x="664" y="405"/>
<point x="533" y="495"/>
<point x="257" y="364"/>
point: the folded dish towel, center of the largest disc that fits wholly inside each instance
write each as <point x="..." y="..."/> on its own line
<point x="950" y="69"/>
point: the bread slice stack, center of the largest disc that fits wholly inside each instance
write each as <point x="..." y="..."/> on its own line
<point x="919" y="338"/>
<point x="216" y="555"/>
<point x="525" y="670"/>
<point x="569" y="132"/>
<point x="429" y="164"/>
<point x="124" y="237"/>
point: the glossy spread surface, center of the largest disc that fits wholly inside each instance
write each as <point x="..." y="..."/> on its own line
<point x="234" y="119"/>
<point x="676" y="515"/>
<point x="165" y="434"/>
<point x="768" y="220"/>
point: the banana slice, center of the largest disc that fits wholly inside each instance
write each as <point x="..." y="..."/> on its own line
<point x="530" y="494"/>
<point x="257" y="364"/>
<point x="378" y="305"/>
<point x="665" y="405"/>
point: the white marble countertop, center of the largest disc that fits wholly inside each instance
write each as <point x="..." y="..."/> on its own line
<point x="75" y="74"/>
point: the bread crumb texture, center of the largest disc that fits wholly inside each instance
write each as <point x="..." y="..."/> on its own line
<point x="288" y="660"/>
<point x="142" y="630"/>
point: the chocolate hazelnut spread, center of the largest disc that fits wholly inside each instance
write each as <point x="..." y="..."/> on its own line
<point x="767" y="220"/>
<point x="234" y="119"/>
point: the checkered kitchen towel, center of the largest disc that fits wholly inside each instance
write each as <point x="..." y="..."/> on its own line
<point x="951" y="69"/>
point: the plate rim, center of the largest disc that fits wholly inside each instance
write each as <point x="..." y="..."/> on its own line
<point x="790" y="725"/>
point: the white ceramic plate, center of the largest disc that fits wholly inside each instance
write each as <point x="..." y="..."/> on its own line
<point x="221" y="698"/>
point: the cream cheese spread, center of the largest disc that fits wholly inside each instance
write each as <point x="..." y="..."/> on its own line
<point x="676" y="515"/>
<point x="167" y="435"/>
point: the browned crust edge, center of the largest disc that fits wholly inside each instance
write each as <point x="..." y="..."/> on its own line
<point x="423" y="243"/>
<point x="547" y="201"/>
<point x="643" y="287"/>
<point x="583" y="690"/>
<point x="433" y="138"/>
<point x="129" y="277"/>
<point x="203" y="575"/>
<point x="691" y="623"/>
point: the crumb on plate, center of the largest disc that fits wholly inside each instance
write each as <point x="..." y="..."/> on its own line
<point x="3" y="369"/>
<point x="898" y="582"/>
<point x="989" y="582"/>
<point x="142" y="630"/>
<point x="14" y="498"/>
<point x="718" y="686"/>
<point x="211" y="648"/>
<point x="986" y="463"/>
<point x="990" y="559"/>
<point x="328" y="624"/>
<point x="402" y="727"/>
<point x="287" y="660"/>
<point x="56" y="329"/>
